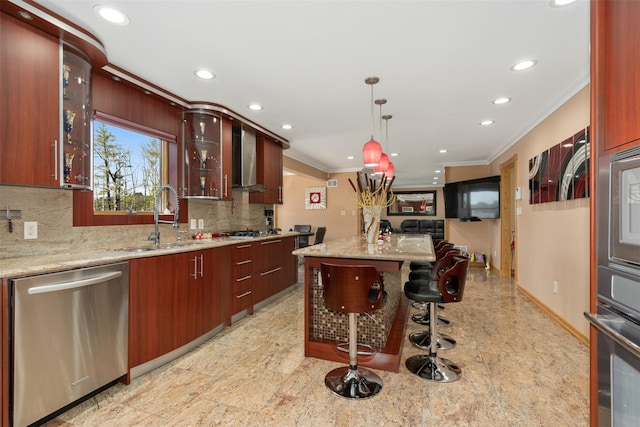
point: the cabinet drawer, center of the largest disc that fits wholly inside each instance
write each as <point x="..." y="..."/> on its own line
<point x="240" y="287"/>
<point x="241" y="251"/>
<point x="241" y="268"/>
<point x="241" y="302"/>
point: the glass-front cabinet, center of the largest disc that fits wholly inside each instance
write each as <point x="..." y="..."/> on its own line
<point x="75" y="151"/>
<point x="202" y="172"/>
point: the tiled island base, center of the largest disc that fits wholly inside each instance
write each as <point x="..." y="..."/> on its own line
<point x="382" y="329"/>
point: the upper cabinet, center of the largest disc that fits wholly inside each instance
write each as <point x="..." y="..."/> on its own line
<point x="45" y="108"/>
<point x="204" y="175"/>
<point x="616" y="73"/>
<point x="268" y="171"/>
<point x="29" y="105"/>
<point x="76" y="148"/>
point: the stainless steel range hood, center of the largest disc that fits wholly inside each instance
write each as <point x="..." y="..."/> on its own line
<point x="245" y="159"/>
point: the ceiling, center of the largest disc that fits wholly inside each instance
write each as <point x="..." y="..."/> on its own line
<point x="440" y="64"/>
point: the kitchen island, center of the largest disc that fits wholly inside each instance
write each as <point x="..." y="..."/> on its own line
<point x="384" y="328"/>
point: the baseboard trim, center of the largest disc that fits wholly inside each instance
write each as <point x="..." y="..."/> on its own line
<point x="573" y="331"/>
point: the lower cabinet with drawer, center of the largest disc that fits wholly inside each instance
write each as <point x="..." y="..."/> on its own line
<point x="268" y="269"/>
<point x="241" y="288"/>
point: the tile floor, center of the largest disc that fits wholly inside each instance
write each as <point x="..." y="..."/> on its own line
<point x="520" y="368"/>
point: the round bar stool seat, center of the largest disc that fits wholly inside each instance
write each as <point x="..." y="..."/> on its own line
<point x="352" y="289"/>
<point x="419" y="290"/>
<point x="448" y="288"/>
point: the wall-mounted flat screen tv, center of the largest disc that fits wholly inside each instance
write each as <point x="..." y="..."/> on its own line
<point x="473" y="200"/>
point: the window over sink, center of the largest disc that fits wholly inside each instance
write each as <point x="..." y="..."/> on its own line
<point x="130" y="162"/>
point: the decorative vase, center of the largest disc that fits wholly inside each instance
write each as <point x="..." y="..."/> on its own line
<point x="371" y="217"/>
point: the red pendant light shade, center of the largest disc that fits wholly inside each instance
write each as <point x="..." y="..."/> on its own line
<point x="391" y="170"/>
<point x="371" y="153"/>
<point x="383" y="165"/>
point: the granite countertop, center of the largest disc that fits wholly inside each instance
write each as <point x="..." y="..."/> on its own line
<point x="400" y="247"/>
<point x="48" y="263"/>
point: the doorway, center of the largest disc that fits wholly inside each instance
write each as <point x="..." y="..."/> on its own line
<point x="508" y="223"/>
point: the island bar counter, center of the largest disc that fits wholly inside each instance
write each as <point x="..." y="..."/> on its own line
<point x="384" y="328"/>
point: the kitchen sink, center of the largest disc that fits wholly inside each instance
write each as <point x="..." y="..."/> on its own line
<point x="143" y="249"/>
<point x="154" y="248"/>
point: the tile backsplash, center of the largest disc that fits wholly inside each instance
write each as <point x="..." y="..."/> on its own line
<point x="52" y="209"/>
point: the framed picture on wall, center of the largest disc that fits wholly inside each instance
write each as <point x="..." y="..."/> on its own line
<point x="315" y="198"/>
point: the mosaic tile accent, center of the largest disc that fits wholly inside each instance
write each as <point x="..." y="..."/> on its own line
<point x="374" y="330"/>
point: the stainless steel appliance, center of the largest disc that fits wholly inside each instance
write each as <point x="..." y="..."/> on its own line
<point x="618" y="285"/>
<point x="69" y="337"/>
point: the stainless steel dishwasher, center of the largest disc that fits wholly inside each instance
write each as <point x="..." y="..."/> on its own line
<point x="70" y="337"/>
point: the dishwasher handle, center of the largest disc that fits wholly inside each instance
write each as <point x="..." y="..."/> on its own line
<point x="74" y="284"/>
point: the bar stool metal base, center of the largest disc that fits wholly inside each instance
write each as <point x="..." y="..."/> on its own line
<point x="423" y="319"/>
<point x="422" y="339"/>
<point x="434" y="368"/>
<point x="359" y="383"/>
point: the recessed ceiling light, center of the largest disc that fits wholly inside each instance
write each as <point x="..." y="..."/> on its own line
<point x="204" y="74"/>
<point x="434" y="182"/>
<point x="501" y="101"/>
<point x="524" y="65"/>
<point x="111" y="14"/>
<point x="394" y="154"/>
<point x="561" y="3"/>
<point x="438" y="171"/>
<point x="486" y="122"/>
<point x="444" y="150"/>
<point x="286" y="126"/>
<point x="349" y="157"/>
<point x="25" y="15"/>
<point x="255" y="107"/>
<point x="435" y="177"/>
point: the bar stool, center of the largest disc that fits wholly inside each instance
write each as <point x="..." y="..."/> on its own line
<point x="426" y="265"/>
<point x="448" y="288"/>
<point x="442" y="263"/>
<point x="352" y="289"/>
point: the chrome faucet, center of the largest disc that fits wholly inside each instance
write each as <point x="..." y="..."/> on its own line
<point x="155" y="236"/>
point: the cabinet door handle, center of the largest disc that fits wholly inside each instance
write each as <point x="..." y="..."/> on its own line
<point x="271" y="271"/>
<point x="270" y="242"/>
<point x="243" y="246"/>
<point x="195" y="267"/>
<point x="201" y="265"/>
<point x="243" y="262"/>
<point x="243" y="295"/>
<point x="243" y="278"/>
<point x="280" y="193"/>
<point x="55" y="159"/>
<point x="226" y="180"/>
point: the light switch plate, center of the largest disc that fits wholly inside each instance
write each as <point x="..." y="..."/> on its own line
<point x="30" y="230"/>
<point x="193" y="225"/>
<point x="200" y="224"/>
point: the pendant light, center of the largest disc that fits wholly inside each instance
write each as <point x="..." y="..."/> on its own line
<point x="391" y="170"/>
<point x="372" y="150"/>
<point x="384" y="158"/>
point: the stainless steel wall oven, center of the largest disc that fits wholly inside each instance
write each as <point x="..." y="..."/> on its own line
<point x="617" y="317"/>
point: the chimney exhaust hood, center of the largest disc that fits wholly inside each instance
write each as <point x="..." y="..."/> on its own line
<point x="244" y="159"/>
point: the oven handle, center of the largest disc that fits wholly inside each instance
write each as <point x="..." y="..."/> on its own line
<point x="75" y="284"/>
<point x="613" y="334"/>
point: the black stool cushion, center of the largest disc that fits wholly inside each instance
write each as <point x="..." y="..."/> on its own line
<point x="421" y="290"/>
<point x="420" y="274"/>
<point x="420" y="265"/>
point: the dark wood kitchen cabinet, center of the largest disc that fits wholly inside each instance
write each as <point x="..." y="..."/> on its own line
<point x="211" y="289"/>
<point x="29" y="104"/>
<point x="289" y="262"/>
<point x="174" y="299"/>
<point x="268" y="269"/>
<point x="268" y="171"/>
<point x="241" y="284"/>
<point x="616" y="72"/>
